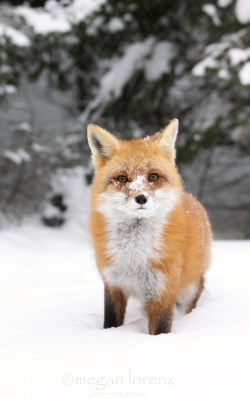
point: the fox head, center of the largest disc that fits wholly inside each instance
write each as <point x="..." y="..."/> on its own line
<point x="136" y="178"/>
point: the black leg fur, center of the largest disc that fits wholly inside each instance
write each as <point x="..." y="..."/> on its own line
<point x="163" y="323"/>
<point x="114" y="308"/>
<point x="109" y="311"/>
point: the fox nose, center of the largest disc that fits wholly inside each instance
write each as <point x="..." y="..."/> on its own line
<point x="141" y="199"/>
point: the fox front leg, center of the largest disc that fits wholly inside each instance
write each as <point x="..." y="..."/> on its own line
<point x="114" y="307"/>
<point x="160" y="317"/>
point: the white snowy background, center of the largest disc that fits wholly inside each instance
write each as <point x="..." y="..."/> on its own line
<point x="52" y="343"/>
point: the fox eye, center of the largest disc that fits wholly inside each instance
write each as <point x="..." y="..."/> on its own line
<point x="122" y="179"/>
<point x="153" y="177"/>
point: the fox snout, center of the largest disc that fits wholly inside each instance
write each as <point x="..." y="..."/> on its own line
<point x="141" y="199"/>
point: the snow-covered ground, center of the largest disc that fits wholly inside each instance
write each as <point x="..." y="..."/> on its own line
<point x="52" y="343"/>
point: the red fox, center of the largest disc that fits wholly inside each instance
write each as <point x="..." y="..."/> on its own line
<point x="152" y="240"/>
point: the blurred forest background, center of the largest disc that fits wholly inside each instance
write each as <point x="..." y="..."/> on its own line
<point x="130" y="66"/>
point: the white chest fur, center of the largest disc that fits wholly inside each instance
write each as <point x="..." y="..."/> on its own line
<point x="133" y="244"/>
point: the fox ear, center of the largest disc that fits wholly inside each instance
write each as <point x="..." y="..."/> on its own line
<point x="102" y="143"/>
<point x="168" y="137"/>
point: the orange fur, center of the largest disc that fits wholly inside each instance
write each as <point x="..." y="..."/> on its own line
<point x="186" y="236"/>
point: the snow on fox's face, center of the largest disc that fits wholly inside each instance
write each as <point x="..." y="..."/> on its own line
<point x="136" y="178"/>
<point x="138" y="195"/>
